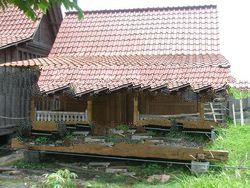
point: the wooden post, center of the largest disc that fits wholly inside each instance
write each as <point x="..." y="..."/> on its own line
<point x="212" y="108"/>
<point x="241" y="113"/>
<point x="135" y="112"/>
<point x="33" y="110"/>
<point x="201" y="111"/>
<point x="234" y="114"/>
<point x="89" y="109"/>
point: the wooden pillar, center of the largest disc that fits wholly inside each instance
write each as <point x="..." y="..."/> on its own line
<point x="136" y="111"/>
<point x="118" y="108"/>
<point x="90" y="110"/>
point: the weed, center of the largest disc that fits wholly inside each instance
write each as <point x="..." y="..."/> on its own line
<point x="61" y="178"/>
<point x="41" y="140"/>
<point x="122" y="127"/>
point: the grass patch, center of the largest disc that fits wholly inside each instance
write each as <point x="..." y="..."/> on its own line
<point x="22" y="164"/>
<point x="236" y="140"/>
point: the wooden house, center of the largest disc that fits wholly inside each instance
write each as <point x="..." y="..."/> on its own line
<point x="21" y="39"/>
<point x="153" y="67"/>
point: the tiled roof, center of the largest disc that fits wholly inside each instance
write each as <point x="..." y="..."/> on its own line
<point x="91" y="74"/>
<point x="241" y="85"/>
<point x="179" y="30"/>
<point x="128" y="60"/>
<point x="15" y="27"/>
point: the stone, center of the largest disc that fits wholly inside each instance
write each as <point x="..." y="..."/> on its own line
<point x="92" y="140"/>
<point x="140" y="137"/>
<point x="115" y="131"/>
<point x="129" y="173"/>
<point x="80" y="133"/>
<point x="131" y="131"/>
<point x="116" y="170"/>
<point x="160" y="178"/>
<point x="199" y="167"/>
<point x="109" y="144"/>
<point x="59" y="143"/>
<point x="156" y="141"/>
<point x="99" y="164"/>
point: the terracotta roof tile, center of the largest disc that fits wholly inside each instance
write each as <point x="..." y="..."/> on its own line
<point x="85" y="74"/>
<point x="15" y="27"/>
<point x="241" y="85"/>
<point x="151" y="31"/>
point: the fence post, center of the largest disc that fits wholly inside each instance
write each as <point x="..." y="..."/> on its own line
<point x="241" y="113"/>
<point x="234" y="114"/>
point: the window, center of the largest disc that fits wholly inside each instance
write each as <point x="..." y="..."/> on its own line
<point x="49" y="104"/>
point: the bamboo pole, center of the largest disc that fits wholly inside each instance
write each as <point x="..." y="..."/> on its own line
<point x="233" y="108"/>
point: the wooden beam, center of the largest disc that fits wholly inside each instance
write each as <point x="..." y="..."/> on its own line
<point x="160" y="122"/>
<point x="200" y="124"/>
<point x="90" y="110"/>
<point x="135" y="110"/>
<point x="141" y="150"/>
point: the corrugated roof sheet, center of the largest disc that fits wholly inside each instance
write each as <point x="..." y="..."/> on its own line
<point x="15" y="27"/>
<point x="151" y="31"/>
<point x="91" y="74"/>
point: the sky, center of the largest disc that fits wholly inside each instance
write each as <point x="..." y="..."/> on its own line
<point x="234" y="25"/>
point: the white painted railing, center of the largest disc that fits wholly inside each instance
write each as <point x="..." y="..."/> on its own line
<point x="60" y="116"/>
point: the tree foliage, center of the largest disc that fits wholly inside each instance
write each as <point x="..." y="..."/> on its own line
<point x="30" y="7"/>
<point x="238" y="94"/>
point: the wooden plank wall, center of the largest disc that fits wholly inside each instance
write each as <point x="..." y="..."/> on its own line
<point x="165" y="104"/>
<point x="15" y="94"/>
